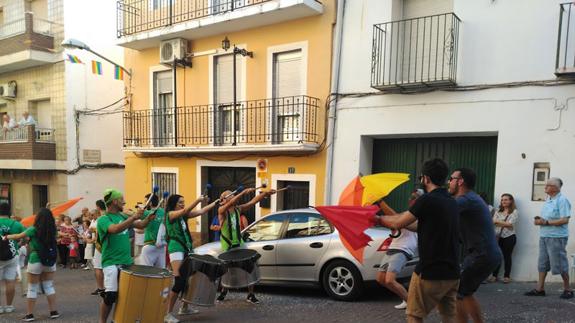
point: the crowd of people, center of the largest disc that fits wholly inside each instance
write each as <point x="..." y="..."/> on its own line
<point x="9" y="124"/>
<point x="461" y="243"/>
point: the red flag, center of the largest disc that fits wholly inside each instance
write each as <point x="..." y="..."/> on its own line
<point x="351" y="222"/>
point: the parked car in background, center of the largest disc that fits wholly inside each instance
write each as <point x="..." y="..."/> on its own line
<point x="300" y="247"/>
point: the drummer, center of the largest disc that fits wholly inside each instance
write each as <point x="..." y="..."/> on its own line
<point x="154" y="251"/>
<point x="180" y="244"/>
<point x="229" y="214"/>
<point x="116" y="250"/>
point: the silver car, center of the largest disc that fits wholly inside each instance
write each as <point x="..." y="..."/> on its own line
<point x="301" y="247"/>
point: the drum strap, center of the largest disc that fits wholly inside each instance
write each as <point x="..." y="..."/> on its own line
<point x="231" y="230"/>
<point x="185" y="229"/>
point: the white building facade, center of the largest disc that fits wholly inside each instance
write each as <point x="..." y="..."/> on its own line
<point x="481" y="84"/>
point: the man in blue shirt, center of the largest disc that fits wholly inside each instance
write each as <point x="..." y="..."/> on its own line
<point x="553" y="235"/>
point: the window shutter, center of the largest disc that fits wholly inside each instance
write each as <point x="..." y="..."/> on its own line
<point x="287" y="74"/>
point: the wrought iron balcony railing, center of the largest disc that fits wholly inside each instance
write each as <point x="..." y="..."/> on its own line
<point x="565" y="58"/>
<point x="258" y="122"/>
<point x="415" y="53"/>
<point x="27" y="134"/>
<point x="134" y="16"/>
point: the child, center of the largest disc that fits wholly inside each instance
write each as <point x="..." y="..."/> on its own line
<point x="74" y="252"/>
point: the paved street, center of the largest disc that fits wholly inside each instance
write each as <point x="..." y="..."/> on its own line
<point x="502" y="303"/>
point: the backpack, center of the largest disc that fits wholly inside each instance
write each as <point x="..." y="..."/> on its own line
<point x="48" y="254"/>
<point x="7" y="250"/>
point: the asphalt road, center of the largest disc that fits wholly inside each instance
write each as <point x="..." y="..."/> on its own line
<point x="501" y="303"/>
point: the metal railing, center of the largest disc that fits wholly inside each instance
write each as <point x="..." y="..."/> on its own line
<point x="13" y="28"/>
<point x="565" y="57"/>
<point x="22" y="134"/>
<point x="43" y="26"/>
<point x="134" y="16"/>
<point x="266" y="121"/>
<point x="417" y="52"/>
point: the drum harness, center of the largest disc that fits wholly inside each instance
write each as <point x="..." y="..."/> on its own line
<point x="237" y="228"/>
<point x="184" y="228"/>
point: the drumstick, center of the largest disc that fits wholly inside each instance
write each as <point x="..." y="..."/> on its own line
<point x="239" y="189"/>
<point x="207" y="189"/>
<point x="155" y="190"/>
<point x="164" y="197"/>
<point x="283" y="189"/>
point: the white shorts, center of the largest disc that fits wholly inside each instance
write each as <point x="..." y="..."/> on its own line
<point x="97" y="260"/>
<point x="111" y="275"/>
<point x="37" y="268"/>
<point x="153" y="256"/>
<point x="9" y="269"/>
<point x="176" y="256"/>
<point x="89" y="251"/>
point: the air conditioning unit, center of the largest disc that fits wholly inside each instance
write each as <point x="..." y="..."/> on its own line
<point x="173" y="49"/>
<point x="8" y="90"/>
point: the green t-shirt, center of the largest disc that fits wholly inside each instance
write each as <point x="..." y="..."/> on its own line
<point x="231" y="223"/>
<point x="178" y="236"/>
<point x="34" y="245"/>
<point x="9" y="226"/>
<point x="151" y="232"/>
<point x="116" y="248"/>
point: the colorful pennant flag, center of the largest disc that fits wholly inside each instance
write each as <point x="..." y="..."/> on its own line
<point x="74" y="59"/>
<point x="118" y="73"/>
<point x="97" y="67"/>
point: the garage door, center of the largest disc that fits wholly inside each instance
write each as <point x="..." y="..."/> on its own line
<point x="408" y="155"/>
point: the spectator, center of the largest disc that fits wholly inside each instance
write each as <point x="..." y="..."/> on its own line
<point x="553" y="235"/>
<point x="89" y="250"/>
<point x="97" y="259"/>
<point x="504" y="220"/>
<point x="402" y="249"/>
<point x="481" y="253"/>
<point x="74" y="247"/>
<point x="8" y="123"/>
<point x="216" y="228"/>
<point x="436" y="277"/>
<point x="66" y="233"/>
<point x="27" y="120"/>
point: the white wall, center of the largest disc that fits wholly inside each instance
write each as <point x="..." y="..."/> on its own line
<point x="93" y="22"/>
<point x="501" y="41"/>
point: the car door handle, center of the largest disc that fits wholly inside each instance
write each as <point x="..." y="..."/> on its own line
<point x="316" y="245"/>
<point x="268" y="247"/>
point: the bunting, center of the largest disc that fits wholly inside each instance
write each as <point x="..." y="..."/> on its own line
<point x="74" y="59"/>
<point x="118" y="73"/>
<point x="97" y="67"/>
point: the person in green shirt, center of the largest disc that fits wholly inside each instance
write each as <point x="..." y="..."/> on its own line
<point x="42" y="236"/>
<point x="113" y="235"/>
<point x="9" y="268"/>
<point x="229" y="216"/>
<point x="154" y="250"/>
<point x="180" y="244"/>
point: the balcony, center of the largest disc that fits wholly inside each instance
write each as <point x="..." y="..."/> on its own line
<point x="26" y="42"/>
<point x="565" y="58"/>
<point x="286" y="125"/>
<point x="144" y="23"/>
<point x="415" y="54"/>
<point x="27" y="148"/>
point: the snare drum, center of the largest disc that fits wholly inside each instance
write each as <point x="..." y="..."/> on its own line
<point x="202" y="274"/>
<point x="142" y="294"/>
<point x="243" y="269"/>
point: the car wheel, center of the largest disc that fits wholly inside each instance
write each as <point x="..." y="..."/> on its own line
<point x="342" y="281"/>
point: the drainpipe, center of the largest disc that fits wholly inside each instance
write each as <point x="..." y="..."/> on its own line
<point x="332" y="117"/>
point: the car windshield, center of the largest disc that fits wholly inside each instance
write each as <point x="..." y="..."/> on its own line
<point x="268" y="228"/>
<point x="307" y="224"/>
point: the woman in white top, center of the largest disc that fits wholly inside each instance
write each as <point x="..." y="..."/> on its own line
<point x="504" y="220"/>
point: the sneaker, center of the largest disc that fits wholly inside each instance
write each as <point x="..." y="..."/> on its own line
<point x="567" y="294"/>
<point x="506" y="280"/>
<point x="169" y="318"/>
<point x="9" y="309"/>
<point x="401" y="306"/>
<point x="184" y="310"/>
<point x="54" y="314"/>
<point x="222" y="296"/>
<point x="252" y="299"/>
<point x="28" y="318"/>
<point x="535" y="292"/>
<point x="492" y="279"/>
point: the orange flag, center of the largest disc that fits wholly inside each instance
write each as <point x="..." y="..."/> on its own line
<point x="56" y="211"/>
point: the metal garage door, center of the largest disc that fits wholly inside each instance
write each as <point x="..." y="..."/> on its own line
<point x="408" y="155"/>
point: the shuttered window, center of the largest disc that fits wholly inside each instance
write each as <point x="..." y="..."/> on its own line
<point x="224" y="79"/>
<point x="167" y="182"/>
<point x="287" y="78"/>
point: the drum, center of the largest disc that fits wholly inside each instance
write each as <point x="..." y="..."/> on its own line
<point x="202" y="274"/>
<point x="142" y="294"/>
<point x="243" y="269"/>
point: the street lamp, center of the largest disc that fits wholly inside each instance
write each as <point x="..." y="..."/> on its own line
<point x="236" y="51"/>
<point x="72" y="43"/>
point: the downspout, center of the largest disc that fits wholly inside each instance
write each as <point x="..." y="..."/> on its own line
<point x="332" y="117"/>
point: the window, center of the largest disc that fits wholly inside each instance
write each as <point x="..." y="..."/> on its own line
<point x="269" y="228"/>
<point x="224" y="125"/>
<point x="39" y="197"/>
<point x="163" y="114"/>
<point x="287" y="87"/>
<point x="5" y="193"/>
<point x="167" y="182"/>
<point x="307" y="225"/>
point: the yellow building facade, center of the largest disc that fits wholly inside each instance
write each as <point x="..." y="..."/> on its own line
<point x="183" y="130"/>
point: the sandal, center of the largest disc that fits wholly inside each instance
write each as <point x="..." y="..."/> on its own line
<point x="535" y="292"/>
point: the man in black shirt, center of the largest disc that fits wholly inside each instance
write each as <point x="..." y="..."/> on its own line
<point x="482" y="254"/>
<point x="436" y="278"/>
